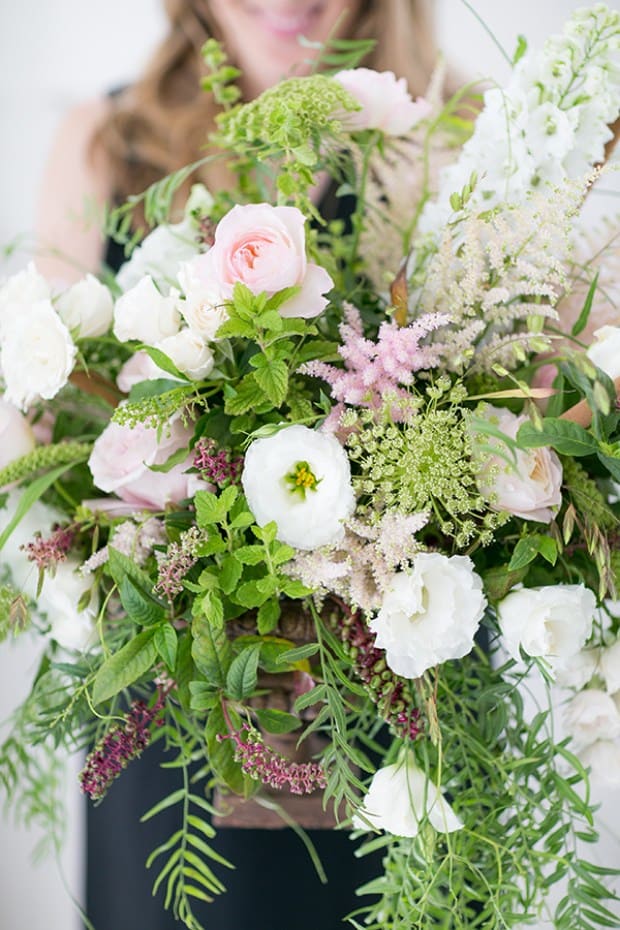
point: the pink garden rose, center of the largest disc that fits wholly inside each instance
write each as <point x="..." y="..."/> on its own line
<point x="531" y="486"/>
<point x="264" y="247"/>
<point x="385" y="101"/>
<point x="16" y="435"/>
<point x="121" y="458"/>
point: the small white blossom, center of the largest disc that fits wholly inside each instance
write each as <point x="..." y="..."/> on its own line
<point x="430" y="614"/>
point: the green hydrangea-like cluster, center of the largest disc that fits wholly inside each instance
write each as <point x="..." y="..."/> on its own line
<point x="287" y="118"/>
<point x="426" y="464"/>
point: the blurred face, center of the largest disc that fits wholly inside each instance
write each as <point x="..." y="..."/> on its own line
<point x="262" y="35"/>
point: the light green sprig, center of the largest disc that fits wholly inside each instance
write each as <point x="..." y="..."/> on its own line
<point x="155" y="411"/>
<point x="44" y="457"/>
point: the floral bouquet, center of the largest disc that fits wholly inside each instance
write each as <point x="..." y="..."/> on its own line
<point x="368" y="461"/>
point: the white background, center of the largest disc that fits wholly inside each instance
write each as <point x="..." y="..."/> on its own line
<point x="55" y="53"/>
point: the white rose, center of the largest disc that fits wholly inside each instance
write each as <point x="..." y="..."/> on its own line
<point x="202" y="306"/>
<point x="189" y="353"/>
<point x="430" y="614"/>
<point x="37" y="354"/>
<point x="603" y="758"/>
<point x="401" y="798"/>
<point x="16" y="435"/>
<point x="302" y="480"/>
<point x="20" y="290"/>
<point x="610" y="667"/>
<point x="159" y="256"/>
<point x="87" y="307"/>
<point x="529" y="488"/>
<point x="385" y="101"/>
<point x="605" y="351"/>
<point x="553" y="621"/>
<point x="592" y="715"/>
<point x="144" y="314"/>
<point x="71" y="628"/>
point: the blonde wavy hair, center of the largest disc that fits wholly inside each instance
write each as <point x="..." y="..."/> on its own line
<point x="161" y="121"/>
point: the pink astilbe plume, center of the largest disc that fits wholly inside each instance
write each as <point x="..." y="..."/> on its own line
<point x="377" y="371"/>
<point x="47" y="553"/>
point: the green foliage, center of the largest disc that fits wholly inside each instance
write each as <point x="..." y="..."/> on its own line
<point x="124" y="667"/>
<point x="57" y="457"/>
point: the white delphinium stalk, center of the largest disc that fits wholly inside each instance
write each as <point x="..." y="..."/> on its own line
<point x="548" y="125"/>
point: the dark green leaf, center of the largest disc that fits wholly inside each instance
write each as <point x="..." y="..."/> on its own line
<point x="211" y="650"/>
<point x="566" y="437"/>
<point x="166" y="643"/>
<point x="230" y="573"/>
<point x="277" y="721"/>
<point x="125" y="666"/>
<point x="584" y="316"/>
<point x="299" y="653"/>
<point x="243" y="673"/>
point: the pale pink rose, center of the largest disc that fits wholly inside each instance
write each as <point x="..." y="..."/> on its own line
<point x="140" y="367"/>
<point x="121" y="458"/>
<point x="528" y="487"/>
<point x="264" y="247"/>
<point x="16" y="435"/>
<point x="385" y="101"/>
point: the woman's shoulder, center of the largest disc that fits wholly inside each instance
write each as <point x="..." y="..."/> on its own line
<point x="75" y="184"/>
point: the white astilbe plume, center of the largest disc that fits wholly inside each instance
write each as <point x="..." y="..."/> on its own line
<point x="550" y="123"/>
<point x="362" y="568"/>
<point x="498" y="276"/>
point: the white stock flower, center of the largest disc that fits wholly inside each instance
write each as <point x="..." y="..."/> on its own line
<point x="87" y="307"/>
<point x="603" y="758"/>
<point x="16" y="434"/>
<point x="60" y="595"/>
<point x="144" y="314"/>
<point x="401" y="798"/>
<point x="610" y="666"/>
<point x="554" y="621"/>
<point x="385" y="102"/>
<point x="301" y="479"/>
<point x="430" y="614"/>
<point x="37" y="354"/>
<point x="529" y="487"/>
<point x="20" y="291"/>
<point x="592" y="715"/>
<point x="605" y="350"/>
<point x="189" y="353"/>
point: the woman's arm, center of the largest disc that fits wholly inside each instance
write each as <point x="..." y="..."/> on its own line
<point x="75" y="185"/>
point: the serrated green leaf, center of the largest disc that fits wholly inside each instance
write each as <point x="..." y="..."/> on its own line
<point x="211" y="650"/>
<point x="268" y="616"/>
<point x="295" y="589"/>
<point x="166" y="643"/>
<point x="221" y="752"/>
<point x="230" y="573"/>
<point x="246" y="395"/>
<point x="141" y="607"/>
<point x="125" y="667"/>
<point x="236" y="328"/>
<point x="249" y="595"/>
<point x="277" y="721"/>
<point x="250" y="555"/>
<point x="316" y="695"/>
<point x="272" y="378"/>
<point x="209" y="509"/>
<point x="243" y="673"/>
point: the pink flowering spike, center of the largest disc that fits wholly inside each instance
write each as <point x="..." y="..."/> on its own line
<point x="47" y="553"/>
<point x="122" y="743"/>
<point x="217" y="466"/>
<point x="271" y="768"/>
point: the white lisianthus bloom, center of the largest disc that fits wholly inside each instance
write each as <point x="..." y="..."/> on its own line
<point x="37" y="355"/>
<point x="144" y="314"/>
<point x="610" y="666"/>
<point x="529" y="488"/>
<point x="302" y="480"/>
<point x="202" y="306"/>
<point x="605" y="350"/>
<point x="430" y="614"/>
<point x="159" y="256"/>
<point x="20" y="290"/>
<point x="592" y="715"/>
<point x="87" y="307"/>
<point x="189" y="353"/>
<point x="603" y="758"/>
<point x="554" y="621"/>
<point x="16" y="434"/>
<point x="71" y="628"/>
<point x="385" y="102"/>
<point x="401" y="798"/>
